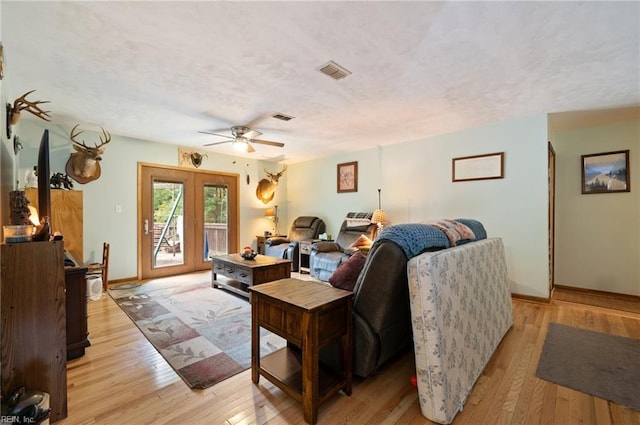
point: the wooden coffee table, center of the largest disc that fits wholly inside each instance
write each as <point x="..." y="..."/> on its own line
<point x="243" y="273"/>
<point x="309" y="315"/>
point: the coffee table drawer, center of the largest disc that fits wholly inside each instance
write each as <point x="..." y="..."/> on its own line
<point x="224" y="270"/>
<point x="244" y="276"/>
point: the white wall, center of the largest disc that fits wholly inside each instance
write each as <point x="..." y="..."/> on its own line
<point x="416" y="184"/>
<point x="118" y="185"/>
<point x="597" y="235"/>
<point x="415" y="179"/>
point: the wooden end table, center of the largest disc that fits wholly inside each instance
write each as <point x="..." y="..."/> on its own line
<point x="309" y="315"/>
<point x="243" y="273"/>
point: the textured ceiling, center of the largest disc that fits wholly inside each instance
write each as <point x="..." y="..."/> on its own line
<point x="162" y="71"/>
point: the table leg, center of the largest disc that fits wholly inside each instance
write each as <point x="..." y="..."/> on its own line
<point x="310" y="373"/>
<point x="255" y="341"/>
<point x="347" y="350"/>
<point x="213" y="280"/>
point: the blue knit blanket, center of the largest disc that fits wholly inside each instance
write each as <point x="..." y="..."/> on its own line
<point x="416" y="238"/>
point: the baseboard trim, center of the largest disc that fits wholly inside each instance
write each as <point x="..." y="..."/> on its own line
<point x="614" y="295"/>
<point x="124" y="280"/>
<point x="531" y="298"/>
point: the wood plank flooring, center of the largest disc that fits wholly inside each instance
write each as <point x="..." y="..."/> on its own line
<point x="123" y="380"/>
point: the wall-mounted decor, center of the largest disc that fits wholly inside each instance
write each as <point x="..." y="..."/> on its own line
<point x="606" y="172"/>
<point x="22" y="104"/>
<point x="478" y="167"/>
<point x="266" y="188"/>
<point x="190" y="158"/>
<point x="84" y="165"/>
<point x="348" y="177"/>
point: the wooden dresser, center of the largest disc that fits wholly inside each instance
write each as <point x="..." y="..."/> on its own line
<point x="34" y="346"/>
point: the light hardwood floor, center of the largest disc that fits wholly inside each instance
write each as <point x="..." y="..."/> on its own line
<point x="123" y="380"/>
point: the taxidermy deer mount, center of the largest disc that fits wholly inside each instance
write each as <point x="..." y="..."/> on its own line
<point x="22" y="104"/>
<point x="266" y="188"/>
<point x="84" y="165"/>
<point x="196" y="158"/>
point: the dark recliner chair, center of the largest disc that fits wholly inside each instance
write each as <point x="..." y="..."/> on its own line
<point x="302" y="228"/>
<point x="327" y="256"/>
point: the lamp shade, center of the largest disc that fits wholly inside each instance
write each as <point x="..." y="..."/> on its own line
<point x="379" y="216"/>
<point x="270" y="212"/>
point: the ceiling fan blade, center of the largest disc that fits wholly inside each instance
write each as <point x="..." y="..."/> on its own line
<point x="215" y="134"/>
<point x="217" y="143"/>
<point x="267" y="142"/>
<point x="250" y="147"/>
<point x="251" y="134"/>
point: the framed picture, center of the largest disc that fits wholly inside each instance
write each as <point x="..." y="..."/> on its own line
<point x="606" y="172"/>
<point x="478" y="167"/>
<point x="348" y="177"/>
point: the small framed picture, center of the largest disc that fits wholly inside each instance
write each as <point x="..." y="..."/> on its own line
<point x="478" y="167"/>
<point x="348" y="177"/>
<point x="606" y="172"/>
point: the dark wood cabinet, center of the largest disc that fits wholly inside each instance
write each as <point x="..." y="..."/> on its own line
<point x="34" y="346"/>
<point x="76" y="307"/>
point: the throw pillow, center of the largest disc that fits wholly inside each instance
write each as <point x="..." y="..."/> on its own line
<point x="347" y="273"/>
<point x="362" y="241"/>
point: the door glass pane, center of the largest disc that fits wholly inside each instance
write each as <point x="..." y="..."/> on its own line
<point x="168" y="224"/>
<point x="215" y="220"/>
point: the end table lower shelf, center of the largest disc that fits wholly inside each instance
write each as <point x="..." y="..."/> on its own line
<point x="284" y="369"/>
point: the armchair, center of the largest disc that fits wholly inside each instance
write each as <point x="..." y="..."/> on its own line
<point x="327" y="256"/>
<point x="302" y="228"/>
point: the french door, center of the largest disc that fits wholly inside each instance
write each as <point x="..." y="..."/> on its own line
<point x="184" y="217"/>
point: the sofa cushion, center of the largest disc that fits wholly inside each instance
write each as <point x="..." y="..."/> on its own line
<point x="347" y="272"/>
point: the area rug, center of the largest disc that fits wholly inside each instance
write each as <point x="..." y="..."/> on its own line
<point x="603" y="365"/>
<point x="202" y="332"/>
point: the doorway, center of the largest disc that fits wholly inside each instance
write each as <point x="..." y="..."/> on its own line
<point x="184" y="217"/>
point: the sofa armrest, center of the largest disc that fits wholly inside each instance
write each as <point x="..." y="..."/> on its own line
<point x="324" y="246"/>
<point x="276" y="241"/>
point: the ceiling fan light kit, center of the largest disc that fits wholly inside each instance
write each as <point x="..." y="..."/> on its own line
<point x="242" y="139"/>
<point x="240" y="145"/>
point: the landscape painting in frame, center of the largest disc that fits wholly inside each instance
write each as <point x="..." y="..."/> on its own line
<point x="606" y="172"/>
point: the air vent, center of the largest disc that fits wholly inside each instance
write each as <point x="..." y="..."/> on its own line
<point x="334" y="70"/>
<point x="282" y="117"/>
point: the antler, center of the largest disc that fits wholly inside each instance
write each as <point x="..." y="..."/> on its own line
<point x="107" y="137"/>
<point x="22" y="104"/>
<point x="278" y="174"/>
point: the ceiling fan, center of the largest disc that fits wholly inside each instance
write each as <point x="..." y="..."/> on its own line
<point x="242" y="139"/>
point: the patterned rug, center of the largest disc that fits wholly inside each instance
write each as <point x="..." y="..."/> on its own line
<point x="203" y="333"/>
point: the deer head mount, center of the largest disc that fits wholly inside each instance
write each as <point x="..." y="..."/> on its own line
<point x="266" y="188"/>
<point x="22" y="104"/>
<point x="84" y="165"/>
